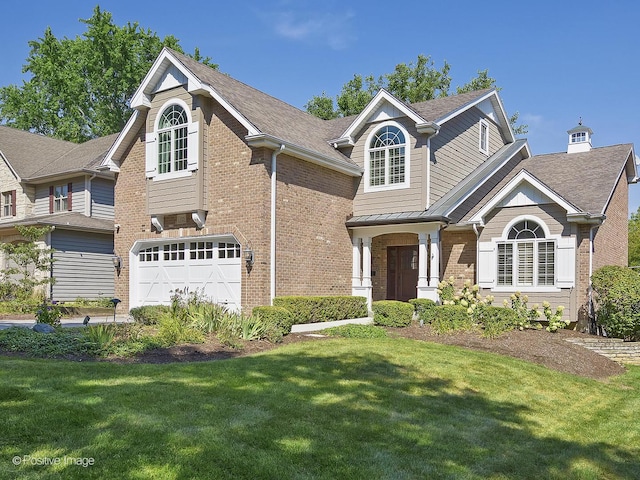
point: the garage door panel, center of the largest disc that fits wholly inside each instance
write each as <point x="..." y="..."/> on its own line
<point x="218" y="280"/>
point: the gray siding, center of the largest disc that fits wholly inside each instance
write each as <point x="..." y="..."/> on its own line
<point x="554" y="216"/>
<point x="83" y="265"/>
<point x="455" y="150"/>
<point x="391" y="201"/>
<point x="78" y="199"/>
<point x="101" y="198"/>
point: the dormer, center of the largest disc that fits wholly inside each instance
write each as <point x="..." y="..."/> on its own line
<point x="579" y="139"/>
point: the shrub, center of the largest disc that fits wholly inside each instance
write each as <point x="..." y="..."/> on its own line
<point x="323" y="308"/>
<point x="277" y="320"/>
<point x="173" y="331"/>
<point x="49" y="314"/>
<point x="525" y="317"/>
<point x="356" y="331"/>
<point x="497" y="320"/>
<point x="423" y="308"/>
<point x="392" y="313"/>
<point x="618" y="301"/>
<point x="149" y="314"/>
<point x="451" y="318"/>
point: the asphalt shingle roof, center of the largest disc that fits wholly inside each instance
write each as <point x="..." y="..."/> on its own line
<point x="32" y="155"/>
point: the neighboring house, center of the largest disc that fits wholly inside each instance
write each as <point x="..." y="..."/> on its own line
<point x="226" y="190"/>
<point x="50" y="182"/>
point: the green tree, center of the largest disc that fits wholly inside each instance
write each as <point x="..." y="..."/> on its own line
<point x="634" y="239"/>
<point x="79" y="88"/>
<point x="29" y="262"/>
<point x="416" y="82"/>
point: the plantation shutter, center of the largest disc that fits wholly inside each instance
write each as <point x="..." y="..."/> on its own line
<point x="566" y="260"/>
<point x="51" y="199"/>
<point x="13" y="203"/>
<point x="193" y="146"/>
<point x="151" y="155"/>
<point x="69" y="195"/>
<point x="486" y="264"/>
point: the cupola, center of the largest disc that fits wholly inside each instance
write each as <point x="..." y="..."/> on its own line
<point x="579" y="139"/>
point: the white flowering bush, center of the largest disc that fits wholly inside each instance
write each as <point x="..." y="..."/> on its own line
<point x="554" y="318"/>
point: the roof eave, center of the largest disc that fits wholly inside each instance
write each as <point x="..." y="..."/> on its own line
<point x="273" y="143"/>
<point x="399" y="221"/>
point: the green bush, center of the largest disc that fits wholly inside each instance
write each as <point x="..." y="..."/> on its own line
<point x="423" y="308"/>
<point x="277" y="320"/>
<point x="173" y="331"/>
<point x="63" y="342"/>
<point x="618" y="301"/>
<point x="323" y="308"/>
<point x="356" y="331"/>
<point x="497" y="320"/>
<point x="392" y="313"/>
<point x="149" y="314"/>
<point x="451" y="318"/>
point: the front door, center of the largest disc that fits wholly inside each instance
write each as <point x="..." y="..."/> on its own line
<point x="402" y="272"/>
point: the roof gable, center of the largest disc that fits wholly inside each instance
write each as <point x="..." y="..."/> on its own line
<point x="524" y="187"/>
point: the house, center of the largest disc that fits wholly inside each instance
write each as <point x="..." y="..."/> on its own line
<point x="225" y="190"/>
<point x="50" y="182"/>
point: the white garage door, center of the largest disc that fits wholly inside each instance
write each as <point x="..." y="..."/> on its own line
<point x="210" y="266"/>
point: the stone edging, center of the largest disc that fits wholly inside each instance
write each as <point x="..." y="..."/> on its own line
<point x="614" y="348"/>
<point x="314" y="327"/>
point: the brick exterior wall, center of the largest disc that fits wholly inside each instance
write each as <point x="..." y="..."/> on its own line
<point x="611" y="240"/>
<point x="314" y="247"/>
<point x="458" y="256"/>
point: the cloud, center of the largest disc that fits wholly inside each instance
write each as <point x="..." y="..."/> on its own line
<point x="314" y="27"/>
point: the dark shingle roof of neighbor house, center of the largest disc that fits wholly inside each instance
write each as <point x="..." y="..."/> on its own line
<point x="584" y="179"/>
<point x="286" y="122"/>
<point x="34" y="156"/>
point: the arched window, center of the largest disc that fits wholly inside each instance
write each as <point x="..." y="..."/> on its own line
<point x="172" y="139"/>
<point x="527" y="257"/>
<point x="387" y="163"/>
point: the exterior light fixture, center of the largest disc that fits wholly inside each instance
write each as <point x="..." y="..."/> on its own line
<point x="117" y="262"/>
<point x="248" y="256"/>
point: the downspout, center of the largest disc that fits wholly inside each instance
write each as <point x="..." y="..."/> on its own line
<point x="429" y="167"/>
<point x="88" y="194"/>
<point x="272" y="293"/>
<point x="592" y="317"/>
<point x="475" y="230"/>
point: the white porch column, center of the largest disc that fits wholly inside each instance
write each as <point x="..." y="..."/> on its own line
<point x="423" y="260"/>
<point x="435" y="259"/>
<point x="362" y="286"/>
<point x="427" y="286"/>
<point x="356" y="276"/>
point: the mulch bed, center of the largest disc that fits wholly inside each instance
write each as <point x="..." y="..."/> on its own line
<point x="538" y="346"/>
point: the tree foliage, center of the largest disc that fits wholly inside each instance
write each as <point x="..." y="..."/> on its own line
<point x="415" y="82"/>
<point x="80" y="88"/>
<point x="634" y="239"/>
<point x="28" y="262"/>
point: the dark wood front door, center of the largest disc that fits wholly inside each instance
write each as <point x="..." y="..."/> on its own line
<point x="402" y="272"/>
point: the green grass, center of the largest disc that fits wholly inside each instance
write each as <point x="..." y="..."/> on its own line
<point x="337" y="409"/>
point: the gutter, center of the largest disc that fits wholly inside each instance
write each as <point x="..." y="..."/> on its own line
<point x="272" y="281"/>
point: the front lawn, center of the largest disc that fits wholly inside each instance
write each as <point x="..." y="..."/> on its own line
<point x="340" y="408"/>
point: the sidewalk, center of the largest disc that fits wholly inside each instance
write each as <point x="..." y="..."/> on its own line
<point x="67" y="322"/>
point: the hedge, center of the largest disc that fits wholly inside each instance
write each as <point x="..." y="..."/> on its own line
<point x="278" y="320"/>
<point x="618" y="301"/>
<point x="392" y="313"/>
<point x="323" y="308"/>
<point x="423" y="308"/>
<point x="451" y="318"/>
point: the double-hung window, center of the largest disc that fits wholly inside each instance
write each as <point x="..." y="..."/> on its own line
<point x="388" y="162"/>
<point x="172" y="140"/>
<point x="9" y="203"/>
<point x="526" y="258"/>
<point x="60" y="198"/>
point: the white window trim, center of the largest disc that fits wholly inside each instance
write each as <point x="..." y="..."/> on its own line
<point x="488" y="260"/>
<point x="514" y="266"/>
<point x="407" y="160"/>
<point x="483" y="148"/>
<point x="152" y="153"/>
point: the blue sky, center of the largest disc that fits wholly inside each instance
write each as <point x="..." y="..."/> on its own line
<point x="556" y="61"/>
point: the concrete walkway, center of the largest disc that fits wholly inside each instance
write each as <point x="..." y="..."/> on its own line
<point x="67" y="322"/>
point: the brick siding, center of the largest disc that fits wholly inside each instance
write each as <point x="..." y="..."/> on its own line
<point x="458" y="256"/>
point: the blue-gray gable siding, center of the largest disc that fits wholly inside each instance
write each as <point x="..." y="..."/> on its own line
<point x="83" y="265"/>
<point x="102" y="198"/>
